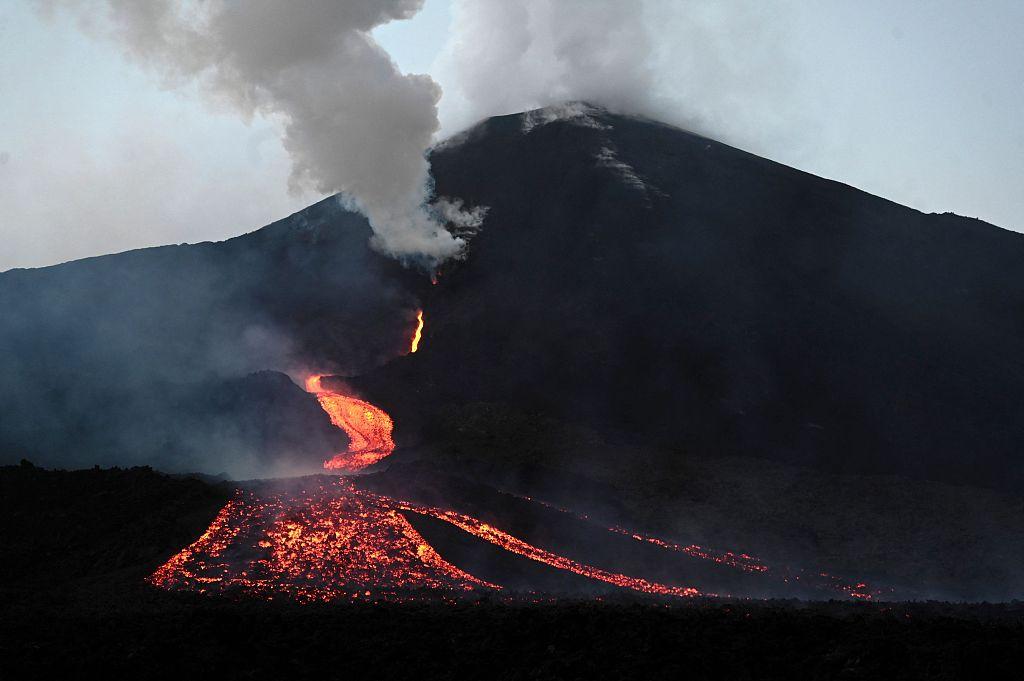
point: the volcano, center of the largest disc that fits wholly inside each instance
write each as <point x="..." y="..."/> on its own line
<point x="659" y="355"/>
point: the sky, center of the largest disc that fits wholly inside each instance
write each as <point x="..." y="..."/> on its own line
<point x="921" y="102"/>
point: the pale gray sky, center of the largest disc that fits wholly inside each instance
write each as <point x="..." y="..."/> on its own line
<point x="921" y="102"/>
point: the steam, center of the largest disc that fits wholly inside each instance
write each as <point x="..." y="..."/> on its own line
<point x="547" y="52"/>
<point x="352" y="122"/>
<point x="719" y="69"/>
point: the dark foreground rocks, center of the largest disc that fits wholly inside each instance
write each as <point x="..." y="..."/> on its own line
<point x="73" y="604"/>
<point x="144" y="634"/>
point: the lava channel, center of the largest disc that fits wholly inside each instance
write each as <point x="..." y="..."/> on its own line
<point x="368" y="427"/>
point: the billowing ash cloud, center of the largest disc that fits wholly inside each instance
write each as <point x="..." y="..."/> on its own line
<point x="353" y="123"/>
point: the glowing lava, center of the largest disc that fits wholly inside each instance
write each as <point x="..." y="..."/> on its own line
<point x="368" y="428"/>
<point x="337" y="541"/>
<point x="326" y="542"/>
<point x="327" y="539"/>
<point x="740" y="561"/>
<point x="518" y="546"/>
<point x="418" y="334"/>
<point x="822" y="581"/>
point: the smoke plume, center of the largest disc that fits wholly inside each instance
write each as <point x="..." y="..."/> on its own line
<point x="718" y="69"/>
<point x="353" y="123"/>
<point x="548" y="52"/>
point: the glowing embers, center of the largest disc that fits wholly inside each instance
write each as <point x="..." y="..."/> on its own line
<point x="415" y="345"/>
<point x="326" y="543"/>
<point x="368" y="428"/>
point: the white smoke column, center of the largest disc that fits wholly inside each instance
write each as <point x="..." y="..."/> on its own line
<point x="353" y="123"/>
<point x="716" y="67"/>
<point x="546" y="52"/>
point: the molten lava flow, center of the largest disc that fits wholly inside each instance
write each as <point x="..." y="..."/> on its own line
<point x="514" y="545"/>
<point x="368" y="427"/>
<point x="331" y="540"/>
<point x="419" y="332"/>
<point x="326" y="542"/>
<point x="740" y="561"/>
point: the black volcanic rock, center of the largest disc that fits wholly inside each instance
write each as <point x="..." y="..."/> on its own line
<point x="96" y="526"/>
<point x="676" y="291"/>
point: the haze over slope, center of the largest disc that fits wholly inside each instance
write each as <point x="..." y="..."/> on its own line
<point x="146" y="356"/>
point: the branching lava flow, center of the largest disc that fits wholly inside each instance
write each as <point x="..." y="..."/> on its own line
<point x="328" y="539"/>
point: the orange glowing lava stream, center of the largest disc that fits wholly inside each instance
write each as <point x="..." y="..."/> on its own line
<point x="741" y="561"/>
<point x="337" y="541"/>
<point x="419" y="332"/>
<point x="326" y="543"/>
<point x="368" y="428"/>
<point x="515" y="545"/>
<point x="340" y="541"/>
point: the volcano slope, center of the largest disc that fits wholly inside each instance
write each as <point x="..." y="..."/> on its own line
<point x="691" y="339"/>
<point x="631" y="276"/>
<point x="652" y="327"/>
<point x="655" y="283"/>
